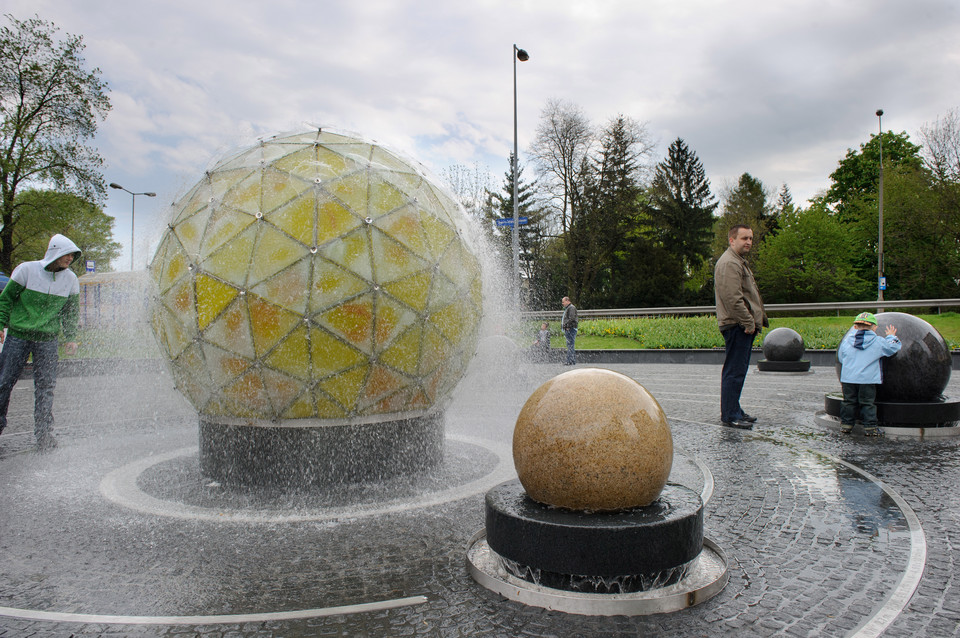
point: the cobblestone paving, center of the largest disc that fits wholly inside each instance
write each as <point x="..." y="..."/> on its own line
<point x="813" y="547"/>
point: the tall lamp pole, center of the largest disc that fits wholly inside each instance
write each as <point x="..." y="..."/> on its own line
<point x="880" y="283"/>
<point x="523" y="56"/>
<point x="133" y="207"/>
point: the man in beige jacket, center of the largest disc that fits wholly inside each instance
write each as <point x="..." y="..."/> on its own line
<point x="741" y="318"/>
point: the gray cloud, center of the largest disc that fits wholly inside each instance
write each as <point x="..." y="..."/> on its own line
<point x="780" y="90"/>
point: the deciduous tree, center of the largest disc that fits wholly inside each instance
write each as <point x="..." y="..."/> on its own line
<point x="49" y="105"/>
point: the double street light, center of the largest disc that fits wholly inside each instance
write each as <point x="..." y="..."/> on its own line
<point x="133" y="207"/>
<point x="523" y="56"/>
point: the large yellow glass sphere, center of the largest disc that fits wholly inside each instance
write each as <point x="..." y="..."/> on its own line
<point x="316" y="276"/>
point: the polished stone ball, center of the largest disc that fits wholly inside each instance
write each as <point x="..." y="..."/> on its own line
<point x="921" y="370"/>
<point x="783" y="344"/>
<point x="594" y="440"/>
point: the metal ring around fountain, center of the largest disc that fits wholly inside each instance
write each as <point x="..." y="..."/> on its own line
<point x="706" y="577"/>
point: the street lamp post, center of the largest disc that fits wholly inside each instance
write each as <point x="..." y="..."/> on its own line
<point x="133" y="207"/>
<point x="880" y="217"/>
<point x="523" y="56"/>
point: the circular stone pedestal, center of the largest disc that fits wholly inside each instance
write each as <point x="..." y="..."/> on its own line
<point x="302" y="452"/>
<point x="921" y="418"/>
<point x="766" y="365"/>
<point x="650" y="559"/>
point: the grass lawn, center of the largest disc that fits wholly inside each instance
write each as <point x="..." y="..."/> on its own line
<point x="819" y="333"/>
<point x="138" y="342"/>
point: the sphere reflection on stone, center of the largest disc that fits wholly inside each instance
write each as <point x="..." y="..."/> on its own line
<point x="921" y="370"/>
<point x="592" y="439"/>
<point x="783" y="344"/>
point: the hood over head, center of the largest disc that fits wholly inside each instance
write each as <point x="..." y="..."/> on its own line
<point x="58" y="247"/>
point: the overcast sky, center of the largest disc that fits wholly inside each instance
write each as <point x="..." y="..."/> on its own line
<point x="779" y="89"/>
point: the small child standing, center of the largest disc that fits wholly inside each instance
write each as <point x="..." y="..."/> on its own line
<point x="540" y="348"/>
<point x="859" y="354"/>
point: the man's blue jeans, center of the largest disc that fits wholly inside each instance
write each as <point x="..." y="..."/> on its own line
<point x="45" y="359"/>
<point x="735" y="365"/>
<point x="571" y="335"/>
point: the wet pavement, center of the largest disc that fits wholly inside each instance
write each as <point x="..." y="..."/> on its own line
<point x="116" y="533"/>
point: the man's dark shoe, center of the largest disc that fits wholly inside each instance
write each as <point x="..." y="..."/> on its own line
<point x="749" y="419"/>
<point x="740" y="425"/>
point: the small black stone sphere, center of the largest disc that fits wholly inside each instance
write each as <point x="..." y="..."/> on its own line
<point x="921" y="370"/>
<point x="783" y="344"/>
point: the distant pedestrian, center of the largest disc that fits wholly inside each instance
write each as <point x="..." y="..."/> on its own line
<point x="569" y="326"/>
<point x="859" y="355"/>
<point x="41" y="299"/>
<point x="540" y="348"/>
<point x="741" y="318"/>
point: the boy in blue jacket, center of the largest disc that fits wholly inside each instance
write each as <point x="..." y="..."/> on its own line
<point x="859" y="354"/>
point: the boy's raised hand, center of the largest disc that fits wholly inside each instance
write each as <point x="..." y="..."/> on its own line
<point x="891" y="330"/>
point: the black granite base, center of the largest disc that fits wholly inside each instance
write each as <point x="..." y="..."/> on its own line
<point x="927" y="414"/>
<point x="627" y="551"/>
<point x="314" y="452"/>
<point x="766" y="365"/>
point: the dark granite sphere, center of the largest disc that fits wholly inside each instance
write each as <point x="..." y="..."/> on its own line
<point x="921" y="370"/>
<point x="783" y="344"/>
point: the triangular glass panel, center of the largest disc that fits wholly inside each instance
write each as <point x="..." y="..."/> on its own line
<point x="231" y="330"/>
<point x="352" y="251"/>
<point x="278" y="189"/>
<point x="352" y="320"/>
<point x="413" y="290"/>
<point x="333" y="285"/>
<point x="346" y="386"/>
<point x="296" y="218"/>
<point x="329" y="355"/>
<point x="292" y="355"/>
<point x="392" y="260"/>
<point x="289" y="288"/>
<point x="273" y="252"/>
<point x="404" y="226"/>
<point x="212" y="297"/>
<point x="232" y="262"/>
<point x="269" y="323"/>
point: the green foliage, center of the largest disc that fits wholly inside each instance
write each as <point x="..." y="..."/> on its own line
<point x="819" y="333"/>
<point x="921" y="227"/>
<point x="810" y="259"/>
<point x="858" y="173"/>
<point x="41" y="214"/>
<point x="49" y="105"/>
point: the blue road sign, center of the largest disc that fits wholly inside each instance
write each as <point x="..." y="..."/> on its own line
<point x="508" y="221"/>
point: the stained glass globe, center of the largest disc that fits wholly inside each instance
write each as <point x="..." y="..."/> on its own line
<point x="316" y="276"/>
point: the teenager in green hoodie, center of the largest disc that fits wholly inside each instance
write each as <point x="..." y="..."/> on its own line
<point x="41" y="300"/>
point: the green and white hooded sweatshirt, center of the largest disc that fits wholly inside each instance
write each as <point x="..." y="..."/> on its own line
<point x="38" y="302"/>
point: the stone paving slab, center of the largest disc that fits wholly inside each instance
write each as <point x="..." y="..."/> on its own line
<point x="814" y="546"/>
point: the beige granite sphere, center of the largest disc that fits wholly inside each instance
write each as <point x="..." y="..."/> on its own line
<point x="593" y="440"/>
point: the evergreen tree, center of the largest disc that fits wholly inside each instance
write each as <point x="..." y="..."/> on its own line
<point x="679" y="207"/>
<point x="530" y="235"/>
<point x="605" y="206"/>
